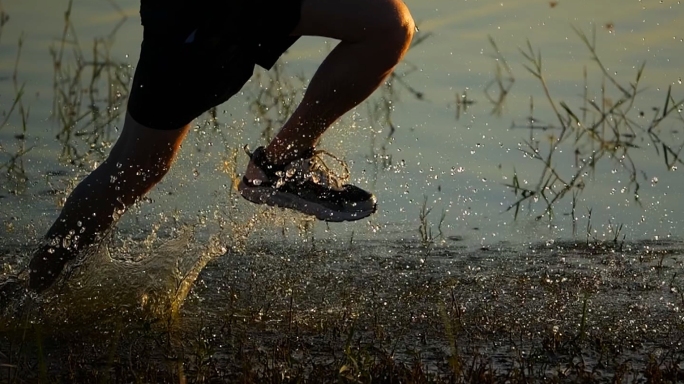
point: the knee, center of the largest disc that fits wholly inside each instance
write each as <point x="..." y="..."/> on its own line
<point x="395" y="28"/>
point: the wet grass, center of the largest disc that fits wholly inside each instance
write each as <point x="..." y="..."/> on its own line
<point x="608" y="129"/>
<point x="498" y="89"/>
<point x="427" y="237"/>
<point x="89" y="88"/>
<point x="13" y="167"/>
<point x="373" y="311"/>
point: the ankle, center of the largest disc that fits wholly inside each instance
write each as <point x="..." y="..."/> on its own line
<point x="282" y="155"/>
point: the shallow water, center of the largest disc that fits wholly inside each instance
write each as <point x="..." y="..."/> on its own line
<point x="453" y="153"/>
<point x="460" y="165"/>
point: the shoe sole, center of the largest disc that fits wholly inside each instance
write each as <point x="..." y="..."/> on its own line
<point x="285" y="200"/>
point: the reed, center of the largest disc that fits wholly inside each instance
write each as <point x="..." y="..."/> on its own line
<point x="607" y="132"/>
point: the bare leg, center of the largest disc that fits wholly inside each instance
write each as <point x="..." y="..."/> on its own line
<point x="374" y="34"/>
<point x="138" y="161"/>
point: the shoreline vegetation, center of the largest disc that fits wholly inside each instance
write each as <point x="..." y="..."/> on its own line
<point x="282" y="312"/>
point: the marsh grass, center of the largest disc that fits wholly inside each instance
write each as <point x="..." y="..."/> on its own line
<point x="89" y="88"/>
<point x="426" y="235"/>
<point x="497" y="90"/>
<point x="14" y="167"/>
<point x="607" y="128"/>
<point x="282" y="321"/>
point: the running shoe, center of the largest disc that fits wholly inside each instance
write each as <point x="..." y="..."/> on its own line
<point x="307" y="185"/>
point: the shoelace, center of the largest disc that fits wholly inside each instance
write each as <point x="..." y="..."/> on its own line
<point x="317" y="170"/>
<point x="321" y="173"/>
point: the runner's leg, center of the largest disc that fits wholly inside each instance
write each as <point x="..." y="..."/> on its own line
<point x="374" y="34"/>
<point x="139" y="160"/>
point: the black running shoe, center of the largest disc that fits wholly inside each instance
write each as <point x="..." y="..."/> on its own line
<point x="307" y="185"/>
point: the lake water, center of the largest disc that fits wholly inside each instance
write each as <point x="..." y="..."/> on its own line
<point x="464" y="115"/>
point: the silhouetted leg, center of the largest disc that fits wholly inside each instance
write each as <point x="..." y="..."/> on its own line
<point x="139" y="160"/>
<point x="374" y="34"/>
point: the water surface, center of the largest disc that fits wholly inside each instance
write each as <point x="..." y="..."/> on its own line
<point x="460" y="165"/>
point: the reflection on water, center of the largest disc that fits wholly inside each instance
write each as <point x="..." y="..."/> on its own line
<point x="525" y="193"/>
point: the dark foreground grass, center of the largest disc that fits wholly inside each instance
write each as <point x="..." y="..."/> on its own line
<point x="386" y="312"/>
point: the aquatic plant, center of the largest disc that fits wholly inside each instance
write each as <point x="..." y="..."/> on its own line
<point x="13" y="167"/>
<point x="89" y="89"/>
<point x="427" y="237"/>
<point x="604" y="129"/>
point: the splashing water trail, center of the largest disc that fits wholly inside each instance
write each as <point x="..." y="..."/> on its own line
<point x="104" y="288"/>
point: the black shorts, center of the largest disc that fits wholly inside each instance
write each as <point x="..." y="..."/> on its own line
<point x="197" y="54"/>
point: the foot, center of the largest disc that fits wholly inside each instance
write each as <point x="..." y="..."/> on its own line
<point x="306" y="185"/>
<point x="46" y="265"/>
